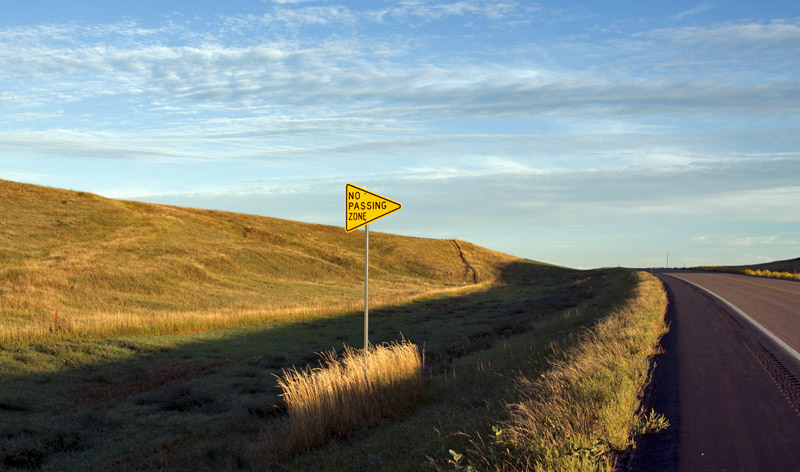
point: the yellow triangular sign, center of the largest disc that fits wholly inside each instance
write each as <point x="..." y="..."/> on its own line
<point x="362" y="207"/>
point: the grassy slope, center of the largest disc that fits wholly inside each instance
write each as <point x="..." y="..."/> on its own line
<point x="111" y="267"/>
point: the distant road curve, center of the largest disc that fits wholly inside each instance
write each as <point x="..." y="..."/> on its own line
<point x="772" y="303"/>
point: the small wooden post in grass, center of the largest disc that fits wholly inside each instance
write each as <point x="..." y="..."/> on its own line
<point x="55" y="323"/>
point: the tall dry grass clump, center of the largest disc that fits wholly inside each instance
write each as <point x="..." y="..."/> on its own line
<point x="588" y="406"/>
<point x="348" y="393"/>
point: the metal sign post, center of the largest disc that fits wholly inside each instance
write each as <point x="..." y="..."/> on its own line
<point x="362" y="207"/>
<point x="366" y="294"/>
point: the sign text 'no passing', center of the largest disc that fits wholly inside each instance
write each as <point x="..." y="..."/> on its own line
<point x="363" y="207"/>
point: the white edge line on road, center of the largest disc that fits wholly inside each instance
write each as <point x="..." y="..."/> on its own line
<point x="752" y="322"/>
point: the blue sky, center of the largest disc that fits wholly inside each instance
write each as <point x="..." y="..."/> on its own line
<point x="590" y="133"/>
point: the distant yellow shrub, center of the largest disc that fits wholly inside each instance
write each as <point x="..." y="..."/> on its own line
<point x="345" y="394"/>
<point x="773" y="274"/>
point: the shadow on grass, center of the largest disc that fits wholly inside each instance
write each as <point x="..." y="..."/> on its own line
<point x="128" y="401"/>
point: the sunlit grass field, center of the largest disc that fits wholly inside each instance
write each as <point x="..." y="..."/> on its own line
<point x="74" y="264"/>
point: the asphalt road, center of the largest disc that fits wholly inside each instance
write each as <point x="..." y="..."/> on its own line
<point x="730" y="392"/>
<point x="773" y="303"/>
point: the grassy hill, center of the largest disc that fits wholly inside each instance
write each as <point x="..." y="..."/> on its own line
<point x="789" y="265"/>
<point x="77" y="264"/>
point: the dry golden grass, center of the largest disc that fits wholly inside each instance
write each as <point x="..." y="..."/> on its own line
<point x="113" y="267"/>
<point x="93" y="324"/>
<point x="343" y="395"/>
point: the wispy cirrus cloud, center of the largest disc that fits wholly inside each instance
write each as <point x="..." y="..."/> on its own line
<point x="270" y="76"/>
<point x="427" y="11"/>
<point x="731" y="36"/>
<point x="302" y="17"/>
<point x="695" y="10"/>
<point x="287" y="2"/>
<point x="344" y="72"/>
<point x="762" y="241"/>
